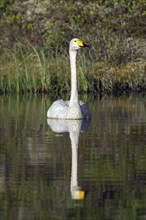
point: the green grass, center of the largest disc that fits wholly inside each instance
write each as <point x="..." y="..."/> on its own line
<point x="115" y="31"/>
<point x="27" y="69"/>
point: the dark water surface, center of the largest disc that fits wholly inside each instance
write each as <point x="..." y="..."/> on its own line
<point x="98" y="173"/>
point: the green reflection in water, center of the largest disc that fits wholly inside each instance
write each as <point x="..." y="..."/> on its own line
<point x="35" y="162"/>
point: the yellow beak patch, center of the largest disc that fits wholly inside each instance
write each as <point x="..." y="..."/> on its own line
<point x="80" y="43"/>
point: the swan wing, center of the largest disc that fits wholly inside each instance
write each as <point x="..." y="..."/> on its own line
<point x="85" y="110"/>
<point x="58" y="109"/>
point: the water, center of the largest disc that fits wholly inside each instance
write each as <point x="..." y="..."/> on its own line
<point x="98" y="173"/>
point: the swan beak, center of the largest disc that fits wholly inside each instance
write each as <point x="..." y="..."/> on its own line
<point x="85" y="45"/>
<point x="81" y="43"/>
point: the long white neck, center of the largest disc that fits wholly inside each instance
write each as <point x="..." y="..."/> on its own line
<point x="74" y="83"/>
<point x="74" y="110"/>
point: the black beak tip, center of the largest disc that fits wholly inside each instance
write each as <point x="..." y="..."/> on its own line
<point x="85" y="45"/>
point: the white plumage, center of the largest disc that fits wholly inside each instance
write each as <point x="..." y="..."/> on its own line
<point x="72" y="109"/>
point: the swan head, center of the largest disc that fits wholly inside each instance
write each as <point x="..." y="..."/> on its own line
<point x="76" y="44"/>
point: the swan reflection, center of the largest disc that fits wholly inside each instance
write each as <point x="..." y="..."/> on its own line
<point x="74" y="127"/>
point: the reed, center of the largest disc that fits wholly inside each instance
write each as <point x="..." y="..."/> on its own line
<point x="27" y="69"/>
<point x="24" y="68"/>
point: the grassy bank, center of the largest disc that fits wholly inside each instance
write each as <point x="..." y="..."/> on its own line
<point x="34" y="45"/>
<point x="26" y="69"/>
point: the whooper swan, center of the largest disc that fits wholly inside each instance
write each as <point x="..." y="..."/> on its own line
<point x="72" y="109"/>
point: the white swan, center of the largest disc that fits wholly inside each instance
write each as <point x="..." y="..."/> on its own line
<point x="73" y="109"/>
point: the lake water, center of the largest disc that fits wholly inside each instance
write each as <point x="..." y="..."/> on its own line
<point x="71" y="169"/>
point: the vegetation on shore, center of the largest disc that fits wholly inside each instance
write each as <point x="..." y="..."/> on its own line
<point x="34" y="45"/>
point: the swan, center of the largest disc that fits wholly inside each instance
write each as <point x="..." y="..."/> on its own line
<point x="72" y="109"/>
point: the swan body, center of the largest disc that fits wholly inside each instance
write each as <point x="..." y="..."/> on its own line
<point x="72" y="109"/>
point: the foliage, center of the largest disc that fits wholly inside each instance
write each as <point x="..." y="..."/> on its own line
<point x="55" y="22"/>
<point x="35" y="36"/>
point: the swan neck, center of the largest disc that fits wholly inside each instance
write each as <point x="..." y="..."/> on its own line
<point x="74" y="83"/>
